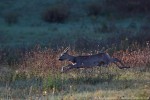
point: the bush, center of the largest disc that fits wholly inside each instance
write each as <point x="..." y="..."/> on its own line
<point x="128" y="7"/>
<point x="11" y="18"/>
<point x="57" y="13"/>
<point x="94" y="9"/>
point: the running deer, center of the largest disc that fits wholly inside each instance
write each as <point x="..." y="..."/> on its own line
<point x="100" y="59"/>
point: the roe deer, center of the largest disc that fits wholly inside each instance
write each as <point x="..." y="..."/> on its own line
<point x="88" y="61"/>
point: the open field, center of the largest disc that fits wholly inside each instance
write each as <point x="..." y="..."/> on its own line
<point x="34" y="33"/>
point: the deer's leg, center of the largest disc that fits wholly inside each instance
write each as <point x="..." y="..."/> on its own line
<point x="103" y="64"/>
<point x="64" y="68"/>
<point x="122" y="65"/>
<point x="70" y="66"/>
<point x="118" y="65"/>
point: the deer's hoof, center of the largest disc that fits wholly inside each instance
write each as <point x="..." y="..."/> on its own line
<point x="62" y="69"/>
<point x="127" y="67"/>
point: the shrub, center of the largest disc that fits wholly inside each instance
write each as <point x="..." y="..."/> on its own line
<point x="11" y="18"/>
<point x="57" y="13"/>
<point x="128" y="7"/>
<point x="94" y="9"/>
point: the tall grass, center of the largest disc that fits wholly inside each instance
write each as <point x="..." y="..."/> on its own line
<point x="135" y="56"/>
<point x="38" y="74"/>
<point x="42" y="62"/>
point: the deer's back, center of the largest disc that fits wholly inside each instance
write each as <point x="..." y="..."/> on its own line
<point x="92" y="58"/>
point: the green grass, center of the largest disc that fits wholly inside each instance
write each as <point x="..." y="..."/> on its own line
<point x="102" y="32"/>
<point x="125" y="84"/>
<point x="96" y="83"/>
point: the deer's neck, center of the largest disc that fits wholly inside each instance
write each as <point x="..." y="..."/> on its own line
<point x="71" y="58"/>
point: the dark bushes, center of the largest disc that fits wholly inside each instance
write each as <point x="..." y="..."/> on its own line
<point x="86" y="43"/>
<point x="11" y="18"/>
<point x="94" y="9"/>
<point x="57" y="13"/>
<point x="128" y="6"/>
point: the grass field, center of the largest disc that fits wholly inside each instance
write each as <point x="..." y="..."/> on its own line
<point x="38" y="76"/>
<point x="34" y="33"/>
<point x="100" y="83"/>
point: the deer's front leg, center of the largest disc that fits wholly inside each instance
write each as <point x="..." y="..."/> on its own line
<point x="68" y="67"/>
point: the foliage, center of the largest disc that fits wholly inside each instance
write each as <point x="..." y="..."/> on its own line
<point x="128" y="7"/>
<point x="56" y="14"/>
<point x="11" y="18"/>
<point x="94" y="8"/>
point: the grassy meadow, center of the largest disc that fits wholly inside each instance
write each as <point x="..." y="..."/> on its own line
<point x="34" y="33"/>
<point x="38" y="76"/>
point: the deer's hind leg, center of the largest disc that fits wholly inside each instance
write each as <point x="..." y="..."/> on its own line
<point x="115" y="60"/>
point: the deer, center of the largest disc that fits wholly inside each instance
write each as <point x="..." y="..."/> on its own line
<point x="88" y="61"/>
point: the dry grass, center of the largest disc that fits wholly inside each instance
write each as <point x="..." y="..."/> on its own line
<point x="136" y="57"/>
<point x="42" y="62"/>
<point x="38" y="76"/>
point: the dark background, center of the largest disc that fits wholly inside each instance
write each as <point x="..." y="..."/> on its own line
<point x="80" y="24"/>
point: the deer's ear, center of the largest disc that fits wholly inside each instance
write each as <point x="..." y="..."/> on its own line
<point x="66" y="50"/>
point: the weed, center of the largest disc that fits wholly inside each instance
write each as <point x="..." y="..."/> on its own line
<point x="52" y="82"/>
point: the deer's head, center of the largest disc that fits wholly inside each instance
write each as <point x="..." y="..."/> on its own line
<point x="64" y="55"/>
